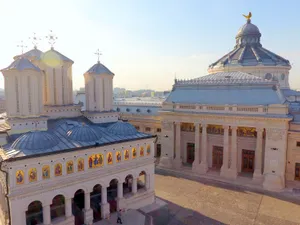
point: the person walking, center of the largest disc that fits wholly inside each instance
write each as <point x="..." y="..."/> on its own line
<point x="119" y="220"/>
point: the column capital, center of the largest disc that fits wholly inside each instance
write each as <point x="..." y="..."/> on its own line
<point x="177" y="122"/>
<point x="233" y="127"/>
<point x="259" y="129"/>
<point x="203" y="124"/>
<point x="225" y="126"/>
<point x="196" y="123"/>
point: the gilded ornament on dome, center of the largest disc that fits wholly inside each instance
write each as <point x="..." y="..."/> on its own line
<point x="32" y="175"/>
<point x="148" y="149"/>
<point x="118" y="156"/>
<point x="46" y="172"/>
<point x="70" y="167"/>
<point x="109" y="158"/>
<point x="80" y="164"/>
<point x="95" y="160"/>
<point x="58" y="169"/>
<point x="248" y="17"/>
<point x="141" y="151"/>
<point x="20" y="177"/>
<point x="133" y="153"/>
<point x="126" y="154"/>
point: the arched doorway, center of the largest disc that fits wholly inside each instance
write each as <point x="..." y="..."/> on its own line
<point x="141" y="182"/>
<point x="78" y="206"/>
<point x="96" y="202"/>
<point x="112" y="194"/>
<point x="127" y="185"/>
<point x="57" y="207"/>
<point x="34" y="214"/>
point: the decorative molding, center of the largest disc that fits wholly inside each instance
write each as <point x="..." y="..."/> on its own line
<point x="275" y="134"/>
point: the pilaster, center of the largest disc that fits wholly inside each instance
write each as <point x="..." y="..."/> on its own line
<point x="46" y="214"/>
<point x="178" y="160"/>
<point x="232" y="172"/>
<point x="203" y="165"/>
<point x="258" y="155"/>
<point x="224" y="167"/>
<point x="196" y="162"/>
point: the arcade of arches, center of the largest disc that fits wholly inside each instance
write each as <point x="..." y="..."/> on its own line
<point x="84" y="207"/>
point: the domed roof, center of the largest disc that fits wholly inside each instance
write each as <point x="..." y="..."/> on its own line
<point x="21" y="64"/>
<point x="84" y="133"/>
<point x="248" y="51"/>
<point x="33" y="53"/>
<point x="98" y="69"/>
<point x="35" y="140"/>
<point x="122" y="129"/>
<point x="54" y="58"/>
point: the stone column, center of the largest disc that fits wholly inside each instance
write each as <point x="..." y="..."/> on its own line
<point x="178" y="161"/>
<point x="120" y="201"/>
<point x="46" y="215"/>
<point x="134" y="185"/>
<point x="258" y="154"/>
<point x="120" y="190"/>
<point x="88" y="212"/>
<point x="234" y="154"/>
<point x="197" y="147"/>
<point x="68" y="206"/>
<point x="224" y="168"/>
<point x="203" y="165"/>
<point x="104" y="204"/>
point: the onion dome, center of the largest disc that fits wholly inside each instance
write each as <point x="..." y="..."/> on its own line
<point x="122" y="129"/>
<point x="248" y="51"/>
<point x="35" y="140"/>
<point x="99" y="69"/>
<point x="32" y="54"/>
<point x="83" y="133"/>
<point x="21" y="64"/>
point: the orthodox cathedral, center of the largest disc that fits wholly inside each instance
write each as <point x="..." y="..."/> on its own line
<point x="59" y="165"/>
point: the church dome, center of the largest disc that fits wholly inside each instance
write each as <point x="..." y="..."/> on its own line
<point x="35" y="140"/>
<point x="83" y="133"/>
<point x="21" y="64"/>
<point x="248" y="29"/>
<point x="99" y="69"/>
<point x="122" y="129"/>
<point x="32" y="54"/>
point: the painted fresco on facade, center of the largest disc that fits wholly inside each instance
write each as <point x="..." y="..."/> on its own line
<point x="148" y="149"/>
<point x="109" y="158"/>
<point x="133" y="153"/>
<point x="20" y="177"/>
<point x="126" y="154"/>
<point x="46" y="172"/>
<point x="215" y="129"/>
<point x="118" y="156"/>
<point x="80" y="164"/>
<point x="70" y="167"/>
<point x="95" y="160"/>
<point x="58" y="169"/>
<point x="141" y="151"/>
<point x="32" y="175"/>
<point x="246" y="132"/>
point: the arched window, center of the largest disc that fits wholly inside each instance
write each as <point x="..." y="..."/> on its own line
<point x="148" y="110"/>
<point x="127" y="185"/>
<point x="268" y="76"/>
<point x="138" y="110"/>
<point x="141" y="182"/>
<point x="57" y="207"/>
<point x="118" y="109"/>
<point x="34" y="213"/>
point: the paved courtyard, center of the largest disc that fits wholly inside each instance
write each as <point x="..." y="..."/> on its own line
<point x="208" y="202"/>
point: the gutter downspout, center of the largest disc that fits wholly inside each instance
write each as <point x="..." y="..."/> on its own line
<point x="6" y="180"/>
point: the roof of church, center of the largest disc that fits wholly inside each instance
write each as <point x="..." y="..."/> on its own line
<point x="248" y="51"/>
<point x="31" y="54"/>
<point x="21" y="64"/>
<point x="61" y="56"/>
<point x="226" y="88"/>
<point x="68" y="134"/>
<point x="99" y="68"/>
<point x="120" y="128"/>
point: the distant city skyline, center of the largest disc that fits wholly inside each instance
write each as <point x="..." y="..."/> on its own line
<point x="145" y="43"/>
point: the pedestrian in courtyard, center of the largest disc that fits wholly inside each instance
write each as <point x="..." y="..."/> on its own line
<point x="119" y="220"/>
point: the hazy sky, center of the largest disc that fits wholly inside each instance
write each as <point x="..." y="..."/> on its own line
<point x="146" y="42"/>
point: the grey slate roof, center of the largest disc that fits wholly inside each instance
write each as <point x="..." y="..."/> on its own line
<point x="248" y="51"/>
<point x="61" y="56"/>
<point x="33" y="53"/>
<point x="98" y="69"/>
<point x="58" y="137"/>
<point x="21" y="64"/>
<point x="226" y="88"/>
<point x="120" y="128"/>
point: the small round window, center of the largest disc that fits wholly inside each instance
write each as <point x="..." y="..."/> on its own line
<point x="282" y="76"/>
<point x="268" y="76"/>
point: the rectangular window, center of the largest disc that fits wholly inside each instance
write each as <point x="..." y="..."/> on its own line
<point x="158" y="130"/>
<point x="298" y="144"/>
<point x="297" y="171"/>
<point x="148" y="129"/>
<point x="158" y="150"/>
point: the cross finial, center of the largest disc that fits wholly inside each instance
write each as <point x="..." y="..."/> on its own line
<point x="35" y="40"/>
<point x="22" y="46"/>
<point x="51" y="38"/>
<point x="98" y="53"/>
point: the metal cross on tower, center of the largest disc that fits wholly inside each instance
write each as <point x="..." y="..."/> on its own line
<point x="51" y="38"/>
<point x="98" y="53"/>
<point x="35" y="40"/>
<point x="22" y="46"/>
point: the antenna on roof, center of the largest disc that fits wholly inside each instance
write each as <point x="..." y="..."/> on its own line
<point x="22" y="46"/>
<point x="35" y="40"/>
<point x="98" y="53"/>
<point x="51" y="39"/>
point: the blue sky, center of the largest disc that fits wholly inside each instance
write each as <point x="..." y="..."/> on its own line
<point x="146" y="42"/>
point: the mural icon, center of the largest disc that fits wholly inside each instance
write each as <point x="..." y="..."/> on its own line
<point x="126" y="154"/>
<point x="109" y="158"/>
<point x="32" y="174"/>
<point x="80" y="164"/>
<point x="142" y="151"/>
<point x="46" y="172"/>
<point x="118" y="156"/>
<point x="70" y="167"/>
<point x="133" y="153"/>
<point x="95" y="160"/>
<point x="58" y="169"/>
<point x="148" y="149"/>
<point x="20" y="177"/>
